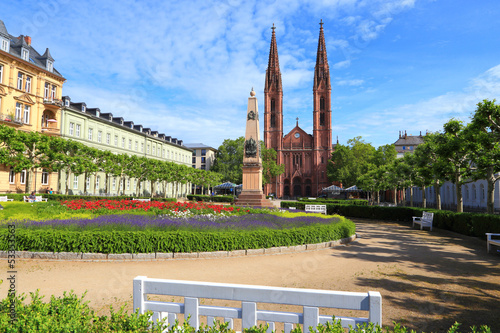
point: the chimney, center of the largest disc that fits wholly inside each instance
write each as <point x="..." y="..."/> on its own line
<point x="400" y="134"/>
<point x="405" y="135"/>
<point x="27" y="39"/>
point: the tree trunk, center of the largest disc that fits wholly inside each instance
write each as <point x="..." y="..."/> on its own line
<point x="95" y="183"/>
<point x="106" y="188"/>
<point x="85" y="183"/>
<point x="394" y="198"/>
<point x="67" y="181"/>
<point x="460" y="201"/>
<point x="411" y="196"/>
<point x="490" y="198"/>
<point x="424" y="198"/>
<point x="437" y="189"/>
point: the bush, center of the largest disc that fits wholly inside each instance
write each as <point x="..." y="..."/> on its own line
<point x="211" y="198"/>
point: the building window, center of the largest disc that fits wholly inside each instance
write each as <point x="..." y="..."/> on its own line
<point x="128" y="184"/>
<point x="53" y="95"/>
<point x="203" y="160"/>
<point x="12" y="176"/>
<point x="142" y="147"/>
<point x="322" y="119"/>
<point x="114" y="184"/>
<point x="154" y="150"/>
<point x="116" y="140"/>
<point x="322" y="159"/>
<point x="28" y="84"/>
<point x="481" y="190"/>
<point x="130" y="144"/>
<point x="203" y="152"/>
<point x="322" y="104"/>
<point x="203" y="167"/>
<point x="46" y="90"/>
<point x="99" y="136"/>
<point x="5" y="44"/>
<point x="19" y="112"/>
<point x="273" y="120"/>
<point x="20" y="81"/>
<point x="108" y="138"/>
<point x="136" y="146"/>
<point x="50" y="66"/>
<point x="123" y="142"/>
<point x="163" y="153"/>
<point x="27" y="114"/>
<point x="148" y="149"/>
<point x="75" y="182"/>
<point x="97" y="180"/>
<point x="194" y="160"/>
<point x="25" y="54"/>
<point x="1" y="73"/>
<point x="273" y="105"/>
<point x="23" y="177"/>
<point x="88" y="183"/>
<point x="77" y="131"/>
<point x="71" y="128"/>
<point x="474" y="197"/>
<point x="90" y="133"/>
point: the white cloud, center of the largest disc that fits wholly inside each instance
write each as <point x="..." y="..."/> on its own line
<point x="354" y="82"/>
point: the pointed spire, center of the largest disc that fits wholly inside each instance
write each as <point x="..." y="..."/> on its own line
<point x="321" y="71"/>
<point x="47" y="55"/>
<point x="273" y="75"/>
<point x="3" y="30"/>
<point x="297" y="121"/>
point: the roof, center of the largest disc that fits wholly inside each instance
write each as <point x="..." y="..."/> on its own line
<point x="409" y="141"/>
<point x="198" y="145"/>
<point x="35" y="58"/>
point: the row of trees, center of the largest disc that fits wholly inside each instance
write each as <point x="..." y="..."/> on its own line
<point x="461" y="153"/>
<point x="32" y="150"/>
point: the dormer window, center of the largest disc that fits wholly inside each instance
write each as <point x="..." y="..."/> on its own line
<point x="25" y="54"/>
<point x="50" y="66"/>
<point x="66" y="102"/>
<point x="97" y="113"/>
<point x="4" y="44"/>
<point x="83" y="108"/>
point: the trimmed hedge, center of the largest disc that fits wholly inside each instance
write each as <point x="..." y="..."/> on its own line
<point x="150" y="241"/>
<point x="211" y="198"/>
<point x="358" y="202"/>
<point x="470" y="224"/>
<point x="63" y="197"/>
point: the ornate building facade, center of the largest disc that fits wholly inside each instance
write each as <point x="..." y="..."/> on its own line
<point x="305" y="156"/>
<point x="30" y="100"/>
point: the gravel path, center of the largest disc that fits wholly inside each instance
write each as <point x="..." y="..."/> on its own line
<point x="428" y="280"/>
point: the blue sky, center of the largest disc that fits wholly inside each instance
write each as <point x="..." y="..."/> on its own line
<point x="185" y="68"/>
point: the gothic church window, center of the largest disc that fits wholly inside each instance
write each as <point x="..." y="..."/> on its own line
<point x="322" y="104"/>
<point x="322" y="119"/>
<point x="273" y="120"/>
<point x="273" y="105"/>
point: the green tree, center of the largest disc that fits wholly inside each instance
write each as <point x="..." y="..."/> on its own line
<point x="350" y="162"/>
<point x="270" y="169"/>
<point x="484" y="141"/>
<point x="229" y="160"/>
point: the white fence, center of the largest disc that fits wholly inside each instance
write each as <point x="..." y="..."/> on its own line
<point x="310" y="299"/>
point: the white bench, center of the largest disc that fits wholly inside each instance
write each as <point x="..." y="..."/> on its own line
<point x="424" y="221"/>
<point x="37" y="199"/>
<point x="5" y="199"/>
<point x="490" y="241"/>
<point x="310" y="299"/>
<point x="316" y="208"/>
<point x="145" y="200"/>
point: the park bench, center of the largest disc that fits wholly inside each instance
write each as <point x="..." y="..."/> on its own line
<point x="490" y="241"/>
<point x="424" y="221"/>
<point x="37" y="199"/>
<point x="316" y="208"/>
<point x="309" y="299"/>
<point x="5" y="199"/>
<point x="145" y="200"/>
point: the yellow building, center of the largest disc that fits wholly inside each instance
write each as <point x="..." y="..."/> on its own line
<point x="30" y="100"/>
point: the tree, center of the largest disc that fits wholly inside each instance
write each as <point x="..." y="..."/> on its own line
<point x="351" y="162"/>
<point x="270" y="169"/>
<point x="484" y="141"/>
<point x="229" y="160"/>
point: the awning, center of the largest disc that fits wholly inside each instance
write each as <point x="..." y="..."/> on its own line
<point x="332" y="189"/>
<point x="225" y="186"/>
<point x="353" y="188"/>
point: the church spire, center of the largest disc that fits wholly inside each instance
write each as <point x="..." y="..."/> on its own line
<point x="273" y="74"/>
<point x="321" y="70"/>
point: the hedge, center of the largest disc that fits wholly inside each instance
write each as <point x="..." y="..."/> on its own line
<point x="470" y="224"/>
<point x="151" y="241"/>
<point x="63" y="197"/>
<point x="358" y="202"/>
<point x="211" y="198"/>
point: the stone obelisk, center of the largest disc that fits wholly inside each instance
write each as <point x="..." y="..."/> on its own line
<point x="251" y="194"/>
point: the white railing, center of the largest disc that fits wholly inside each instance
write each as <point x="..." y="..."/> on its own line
<point x="310" y="299"/>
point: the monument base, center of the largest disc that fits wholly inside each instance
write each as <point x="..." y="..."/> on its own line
<point x="253" y="198"/>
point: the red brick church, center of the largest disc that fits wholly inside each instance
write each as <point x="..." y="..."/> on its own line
<point x="305" y="156"/>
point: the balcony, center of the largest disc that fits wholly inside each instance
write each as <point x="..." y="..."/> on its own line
<point x="52" y="104"/>
<point x="10" y="119"/>
<point x="52" y="131"/>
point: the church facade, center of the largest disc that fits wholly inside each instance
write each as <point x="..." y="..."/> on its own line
<point x="304" y="155"/>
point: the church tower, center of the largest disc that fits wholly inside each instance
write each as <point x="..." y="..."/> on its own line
<point x="322" y="114"/>
<point x="273" y="109"/>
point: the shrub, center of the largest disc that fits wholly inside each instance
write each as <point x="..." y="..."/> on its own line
<point x="212" y="198"/>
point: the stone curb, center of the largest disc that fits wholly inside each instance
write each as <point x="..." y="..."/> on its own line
<point x="171" y="256"/>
